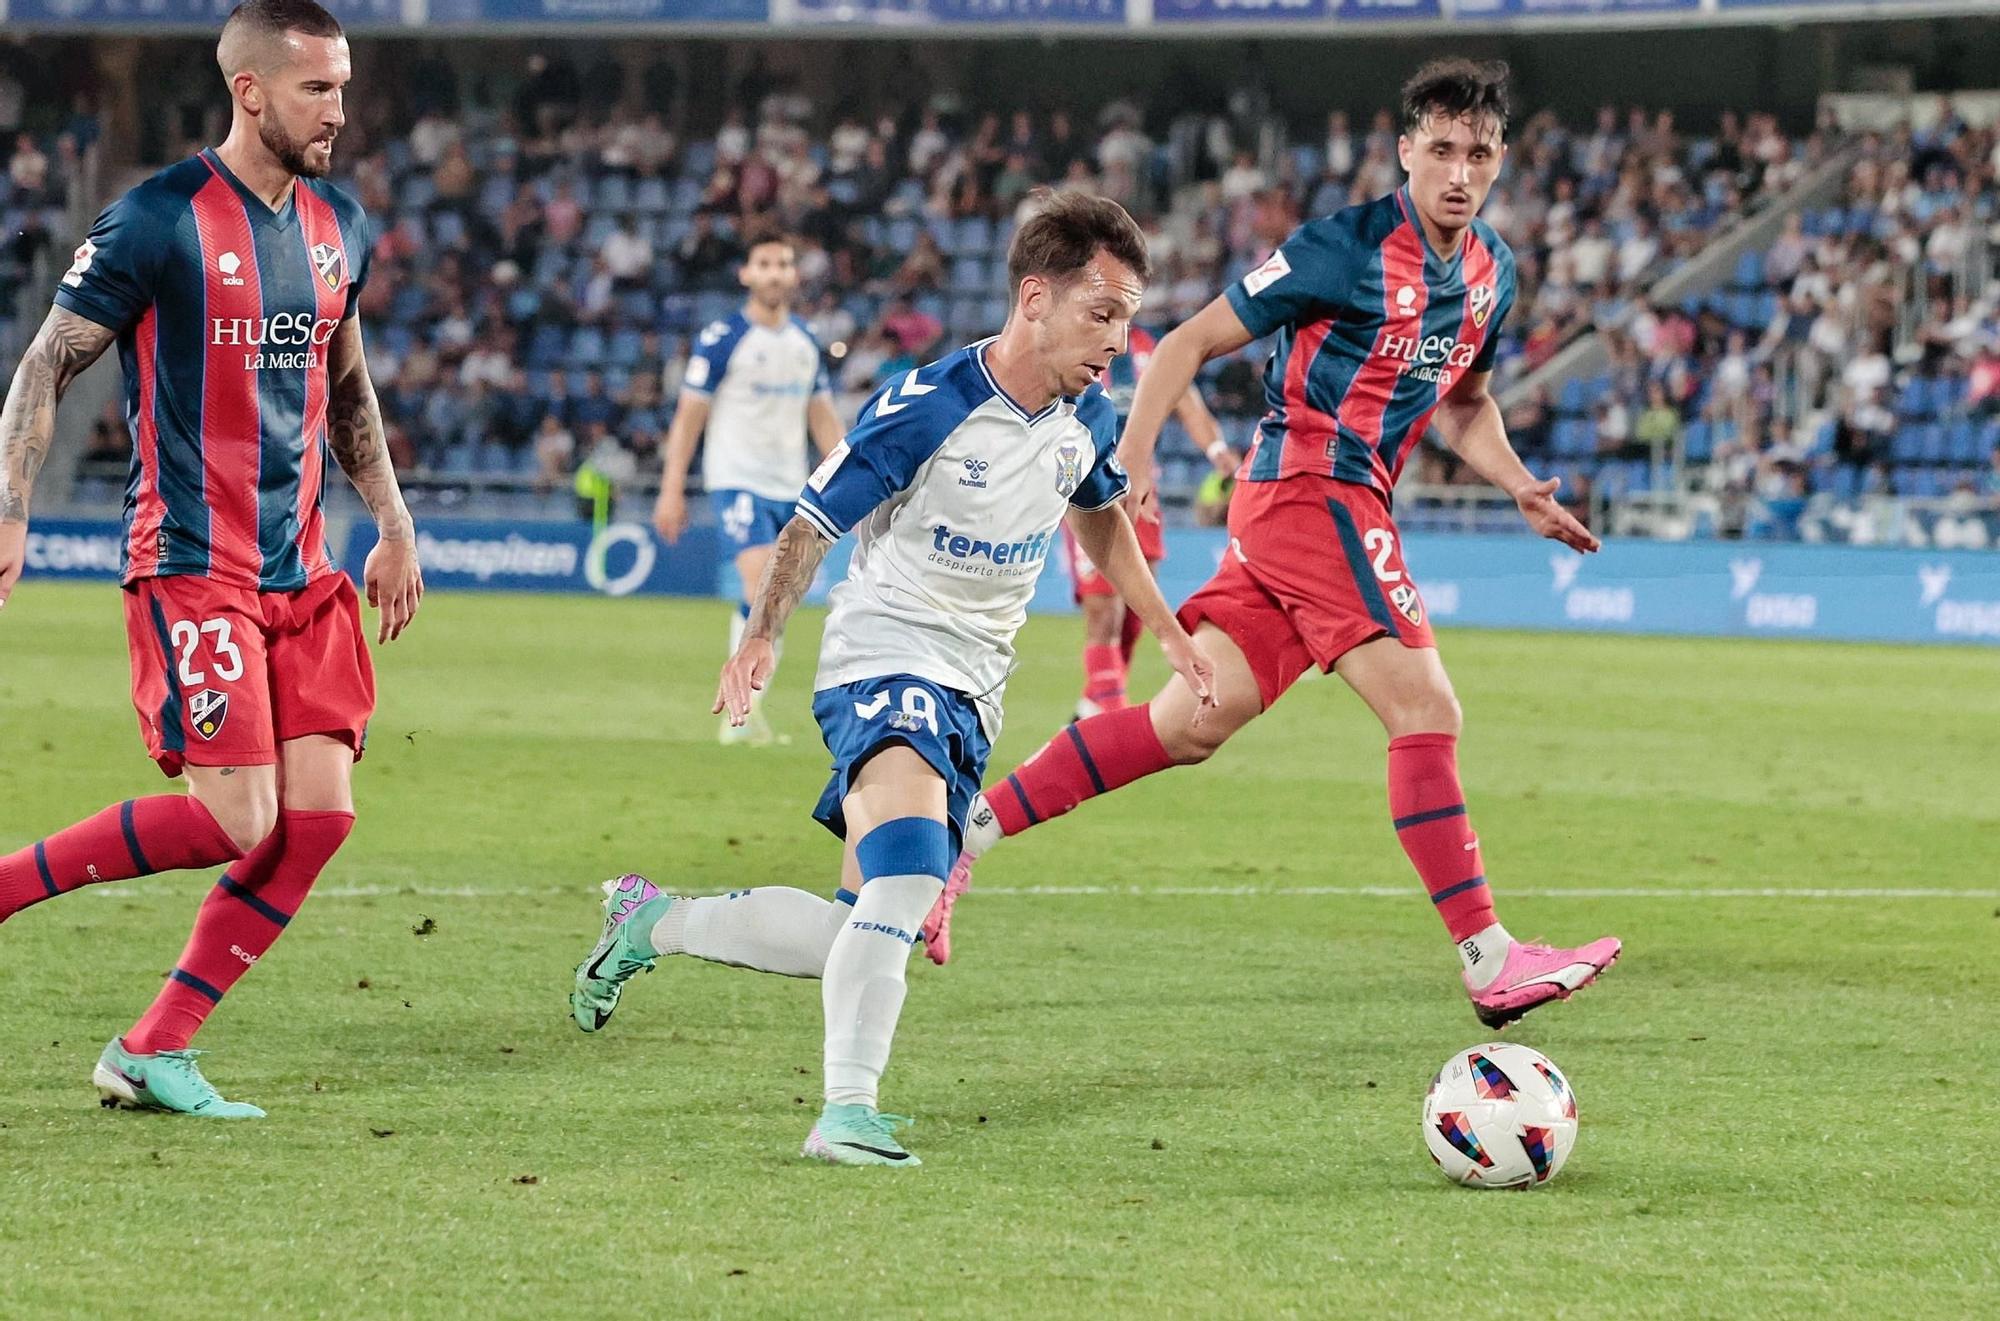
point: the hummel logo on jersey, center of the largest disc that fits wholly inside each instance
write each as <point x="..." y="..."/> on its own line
<point x="975" y="473"/>
<point x="331" y="263"/>
<point x="1481" y="303"/>
<point x="1274" y="269"/>
<point x="229" y="263"/>
<point x="869" y="710"/>
<point x="207" y="710"/>
<point x="905" y="393"/>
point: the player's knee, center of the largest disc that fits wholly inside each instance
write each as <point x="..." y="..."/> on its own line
<point x="1429" y="711"/>
<point x="1190" y="744"/>
<point x="249" y="820"/>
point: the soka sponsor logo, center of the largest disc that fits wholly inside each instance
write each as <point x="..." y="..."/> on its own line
<point x="287" y="340"/>
<point x="229" y="263"/>
<point x="1774" y="610"/>
<point x="1955" y="619"/>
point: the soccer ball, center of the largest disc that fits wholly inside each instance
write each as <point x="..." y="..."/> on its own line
<point x="1500" y="1116"/>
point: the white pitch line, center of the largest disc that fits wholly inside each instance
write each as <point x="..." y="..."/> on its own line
<point x="1172" y="892"/>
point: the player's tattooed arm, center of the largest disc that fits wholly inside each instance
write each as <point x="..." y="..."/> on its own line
<point x="65" y="345"/>
<point x="788" y="575"/>
<point x="391" y="577"/>
<point x="355" y="433"/>
<point x="794" y="562"/>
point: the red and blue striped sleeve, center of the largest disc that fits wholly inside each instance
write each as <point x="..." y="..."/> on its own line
<point x="1303" y="281"/>
<point x="112" y="279"/>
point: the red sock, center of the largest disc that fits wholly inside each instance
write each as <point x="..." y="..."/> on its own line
<point x="1088" y="758"/>
<point x="1129" y="634"/>
<point x="167" y="832"/>
<point x="1428" y="805"/>
<point x="241" y="918"/>
<point x="1104" y="677"/>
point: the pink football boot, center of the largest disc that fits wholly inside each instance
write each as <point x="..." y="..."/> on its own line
<point x="936" y="931"/>
<point x="1533" y="975"/>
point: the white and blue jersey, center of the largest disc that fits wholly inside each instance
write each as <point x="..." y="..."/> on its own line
<point x="956" y="495"/>
<point x="758" y="381"/>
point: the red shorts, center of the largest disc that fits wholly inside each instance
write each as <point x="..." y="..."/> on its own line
<point x="1313" y="570"/>
<point x="222" y="675"/>
<point x="1084" y="578"/>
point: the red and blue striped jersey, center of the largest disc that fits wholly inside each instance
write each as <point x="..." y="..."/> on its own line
<point x="1374" y="329"/>
<point x="1121" y="382"/>
<point x="223" y="309"/>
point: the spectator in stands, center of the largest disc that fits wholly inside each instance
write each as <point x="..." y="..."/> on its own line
<point x="708" y="259"/>
<point x="555" y="447"/>
<point x="628" y="255"/>
<point x="28" y="168"/>
<point x="110" y="440"/>
<point x="1659" y="426"/>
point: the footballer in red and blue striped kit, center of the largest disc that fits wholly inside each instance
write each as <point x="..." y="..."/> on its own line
<point x="1385" y="320"/>
<point x="230" y="283"/>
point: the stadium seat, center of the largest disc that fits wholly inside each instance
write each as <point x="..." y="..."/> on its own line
<point x="1749" y="271"/>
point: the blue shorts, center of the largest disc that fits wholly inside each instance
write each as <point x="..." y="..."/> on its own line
<point x="750" y="520"/>
<point x="940" y="724"/>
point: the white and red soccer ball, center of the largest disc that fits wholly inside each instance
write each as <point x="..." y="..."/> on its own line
<point x="1500" y="1116"/>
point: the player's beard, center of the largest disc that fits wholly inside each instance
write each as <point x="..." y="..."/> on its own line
<point x="291" y="153"/>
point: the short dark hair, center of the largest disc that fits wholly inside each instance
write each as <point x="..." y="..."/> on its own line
<point x="275" y="17"/>
<point x="762" y="232"/>
<point x="1456" y="88"/>
<point x="1067" y="229"/>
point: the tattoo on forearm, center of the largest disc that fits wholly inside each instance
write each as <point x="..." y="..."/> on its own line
<point x="787" y="577"/>
<point x="65" y="345"/>
<point x="360" y="443"/>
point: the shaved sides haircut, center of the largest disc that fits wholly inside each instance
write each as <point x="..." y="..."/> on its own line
<point x="254" y="36"/>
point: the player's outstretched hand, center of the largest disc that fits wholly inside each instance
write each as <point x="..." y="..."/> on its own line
<point x="670" y="514"/>
<point x="1194" y="667"/>
<point x="747" y="672"/>
<point x="1142" y="498"/>
<point x="13" y="557"/>
<point x="1537" y="503"/>
<point x="395" y="584"/>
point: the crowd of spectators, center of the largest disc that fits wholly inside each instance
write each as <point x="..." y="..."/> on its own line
<point x="539" y="272"/>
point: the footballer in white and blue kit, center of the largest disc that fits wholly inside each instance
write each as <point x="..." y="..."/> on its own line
<point x="755" y="388"/>
<point x="955" y="484"/>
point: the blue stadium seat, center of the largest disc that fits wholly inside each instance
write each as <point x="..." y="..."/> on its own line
<point x="626" y="348"/>
<point x="586" y="347"/>
<point x="614" y="193"/>
<point x="1907" y="446"/>
<point x="1961" y="443"/>
<point x="1749" y="271"/>
<point x="968" y="275"/>
<point x="1913" y="400"/>
<point x="495" y="194"/>
<point x="545" y="349"/>
<point x="1575" y="396"/>
<point x="650" y="197"/>
<point x="1698" y="442"/>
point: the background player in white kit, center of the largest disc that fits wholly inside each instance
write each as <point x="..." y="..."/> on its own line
<point x="757" y="384"/>
<point x="955" y="481"/>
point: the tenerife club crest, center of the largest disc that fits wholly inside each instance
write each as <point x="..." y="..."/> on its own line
<point x="1406" y="600"/>
<point x="1480" y="300"/>
<point x="331" y="263"/>
<point x="1069" y="468"/>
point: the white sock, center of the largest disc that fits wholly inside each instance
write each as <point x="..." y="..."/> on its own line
<point x="773" y="928"/>
<point x="982" y="828"/>
<point x="864" y="984"/>
<point x="1484" y="953"/>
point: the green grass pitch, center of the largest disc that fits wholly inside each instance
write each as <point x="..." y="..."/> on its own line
<point x="1188" y="1087"/>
